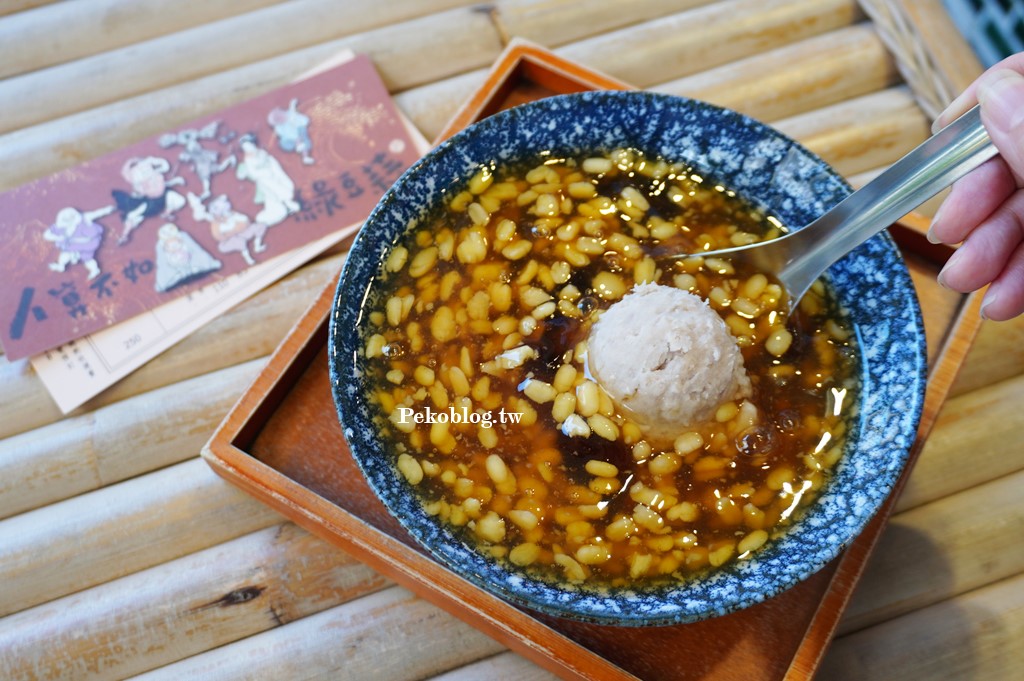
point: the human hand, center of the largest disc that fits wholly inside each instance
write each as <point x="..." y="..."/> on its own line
<point x="985" y="209"/>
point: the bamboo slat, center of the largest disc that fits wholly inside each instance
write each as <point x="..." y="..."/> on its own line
<point x="502" y="666"/>
<point x="552" y="24"/>
<point x="997" y="354"/>
<point x="862" y="133"/>
<point x="88" y="540"/>
<point x="975" y="636"/>
<point x="136" y="69"/>
<point x="249" y="331"/>
<point x="8" y="7"/>
<point x="941" y="550"/>
<point x="669" y="48"/>
<point x="182" y="608"/>
<point x="973" y="442"/>
<point x="556" y="23"/>
<point x="117" y="442"/>
<point x="431" y="106"/>
<point x="797" y="77"/>
<point x="387" y="635"/>
<point x="71" y="30"/>
<point x="24" y="403"/>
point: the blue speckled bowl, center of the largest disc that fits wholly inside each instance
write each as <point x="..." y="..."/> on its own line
<point x="765" y="167"/>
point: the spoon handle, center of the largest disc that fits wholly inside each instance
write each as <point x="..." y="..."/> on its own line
<point x="934" y="165"/>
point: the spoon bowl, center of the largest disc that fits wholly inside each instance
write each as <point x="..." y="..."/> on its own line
<point x="800" y="257"/>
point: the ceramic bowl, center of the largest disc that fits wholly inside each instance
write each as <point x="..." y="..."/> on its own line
<point x="759" y="163"/>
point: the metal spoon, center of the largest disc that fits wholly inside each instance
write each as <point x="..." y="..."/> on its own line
<point x="798" y="258"/>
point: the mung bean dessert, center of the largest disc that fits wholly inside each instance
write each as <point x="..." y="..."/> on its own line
<point x="482" y="384"/>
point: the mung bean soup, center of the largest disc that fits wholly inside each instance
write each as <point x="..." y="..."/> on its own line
<point x="476" y="366"/>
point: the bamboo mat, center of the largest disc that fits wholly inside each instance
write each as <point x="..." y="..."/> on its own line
<point x="122" y="555"/>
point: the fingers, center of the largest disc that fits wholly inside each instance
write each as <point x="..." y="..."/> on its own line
<point x="985" y="209"/>
<point x="973" y="198"/>
<point x="987" y="251"/>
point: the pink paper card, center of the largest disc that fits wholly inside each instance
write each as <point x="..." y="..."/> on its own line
<point x="109" y="239"/>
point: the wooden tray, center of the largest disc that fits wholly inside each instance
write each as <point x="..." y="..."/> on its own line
<point x="282" y="443"/>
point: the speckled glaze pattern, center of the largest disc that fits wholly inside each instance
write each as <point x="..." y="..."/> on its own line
<point x="760" y="164"/>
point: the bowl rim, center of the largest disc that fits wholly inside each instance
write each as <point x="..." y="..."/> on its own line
<point x="739" y="585"/>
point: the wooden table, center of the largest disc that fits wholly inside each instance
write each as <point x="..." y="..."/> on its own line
<point x="122" y="554"/>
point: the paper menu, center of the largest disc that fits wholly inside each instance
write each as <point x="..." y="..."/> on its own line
<point x="123" y="234"/>
<point x="78" y="370"/>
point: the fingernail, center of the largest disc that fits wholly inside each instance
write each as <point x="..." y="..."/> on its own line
<point x="950" y="264"/>
<point x="962" y="103"/>
<point x="1002" y="98"/>
<point x="986" y="302"/>
<point x="931" y="227"/>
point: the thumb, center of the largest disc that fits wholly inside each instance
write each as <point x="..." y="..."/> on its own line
<point x="1001" y="95"/>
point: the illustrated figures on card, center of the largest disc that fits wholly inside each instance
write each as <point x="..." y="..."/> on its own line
<point x="204" y="162"/>
<point x="150" y="194"/>
<point x="107" y="240"/>
<point x="77" y="236"/>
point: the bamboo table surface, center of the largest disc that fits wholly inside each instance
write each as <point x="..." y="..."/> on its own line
<point x="122" y="555"/>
